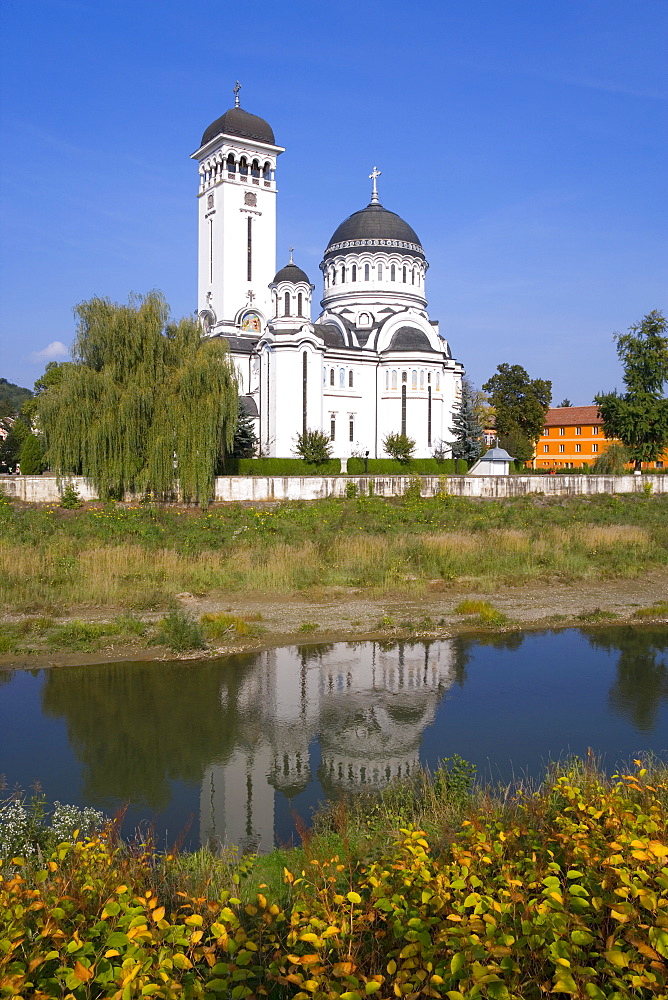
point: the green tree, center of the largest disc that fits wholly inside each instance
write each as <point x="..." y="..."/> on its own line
<point x="565" y="403"/>
<point x="639" y="417"/>
<point x="520" y="404"/>
<point x="314" y="447"/>
<point x="245" y="438"/>
<point x="613" y="461"/>
<point x="468" y="443"/>
<point x="10" y="448"/>
<point x="32" y="456"/>
<point x="146" y="405"/>
<point x="400" y="447"/>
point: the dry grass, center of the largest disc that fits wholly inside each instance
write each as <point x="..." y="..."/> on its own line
<point x="55" y="574"/>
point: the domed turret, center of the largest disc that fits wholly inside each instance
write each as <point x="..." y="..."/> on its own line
<point x="291" y="292"/>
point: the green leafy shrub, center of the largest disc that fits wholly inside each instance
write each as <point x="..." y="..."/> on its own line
<point x="180" y="632"/>
<point x="70" y="498"/>
<point x="314" y="447"/>
<point x="351" y="490"/>
<point x="399" y="446"/>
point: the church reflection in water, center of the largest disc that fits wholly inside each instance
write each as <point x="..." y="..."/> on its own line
<point x="367" y="705"/>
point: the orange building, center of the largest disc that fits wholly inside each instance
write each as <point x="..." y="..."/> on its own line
<point x="573" y="436"/>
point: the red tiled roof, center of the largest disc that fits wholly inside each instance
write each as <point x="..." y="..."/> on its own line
<point x="570" y="416"/>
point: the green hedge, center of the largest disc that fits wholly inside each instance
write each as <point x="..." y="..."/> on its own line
<point x="417" y="466"/>
<point x="279" y="467"/>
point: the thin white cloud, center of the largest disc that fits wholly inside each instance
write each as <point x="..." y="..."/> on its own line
<point x="51" y="352"/>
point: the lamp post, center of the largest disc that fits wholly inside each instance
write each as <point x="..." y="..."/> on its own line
<point x="366" y="462"/>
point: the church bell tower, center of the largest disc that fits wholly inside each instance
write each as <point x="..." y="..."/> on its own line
<point x="237" y="222"/>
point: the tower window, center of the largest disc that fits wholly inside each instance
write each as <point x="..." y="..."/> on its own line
<point x="300" y="304"/>
<point x="231" y="165"/>
<point x="413" y="276"/>
<point x="255" y="169"/>
<point x="351" y="429"/>
<point x="332" y="428"/>
<point x="353" y="275"/>
<point x="380" y="272"/>
<point x="331" y="376"/>
<point x="403" y="409"/>
<point x="286" y="307"/>
<point x="333" y="275"/>
<point x="366" y="272"/>
<point x="404" y="275"/>
<point x="350" y="380"/>
<point x="343" y="274"/>
<point x="243" y="166"/>
<point x="267" y="171"/>
<point x="249" y="250"/>
<point x="393" y="273"/>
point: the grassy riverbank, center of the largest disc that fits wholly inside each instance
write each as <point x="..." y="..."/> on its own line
<point x="126" y="558"/>
<point x="435" y="888"/>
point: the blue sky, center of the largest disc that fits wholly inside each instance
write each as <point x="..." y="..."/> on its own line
<point x="524" y="141"/>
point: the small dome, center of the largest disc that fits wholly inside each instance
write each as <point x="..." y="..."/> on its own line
<point x="236" y="121"/>
<point x="376" y="226"/>
<point x="408" y="338"/>
<point x="291" y="273"/>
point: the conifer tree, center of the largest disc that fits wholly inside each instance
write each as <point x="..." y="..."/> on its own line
<point x="32" y="457"/>
<point x="245" y="438"/>
<point x="146" y="404"/>
<point x="468" y="443"/>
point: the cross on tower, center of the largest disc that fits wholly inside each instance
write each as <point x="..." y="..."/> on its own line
<point x="235" y="90"/>
<point x="375" y="173"/>
<point x="292" y="250"/>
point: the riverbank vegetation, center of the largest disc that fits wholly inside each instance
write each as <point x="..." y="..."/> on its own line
<point x="133" y="558"/>
<point x="434" y="888"/>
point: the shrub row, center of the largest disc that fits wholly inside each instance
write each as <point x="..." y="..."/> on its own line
<point x="356" y="467"/>
<point x="416" y="466"/>
<point x="279" y="467"/>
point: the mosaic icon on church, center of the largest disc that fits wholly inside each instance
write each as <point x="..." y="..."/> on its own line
<point x="251" y="321"/>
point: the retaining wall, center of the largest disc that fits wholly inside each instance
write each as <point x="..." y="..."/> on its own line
<point x="44" y="489"/>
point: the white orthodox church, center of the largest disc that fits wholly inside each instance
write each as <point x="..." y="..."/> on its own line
<point x="371" y="363"/>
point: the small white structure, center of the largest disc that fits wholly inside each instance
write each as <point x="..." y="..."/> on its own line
<point x="371" y="364"/>
<point x="495" y="462"/>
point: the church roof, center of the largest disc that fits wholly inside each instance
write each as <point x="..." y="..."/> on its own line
<point x="292" y="273"/>
<point x="236" y="121"/>
<point x="375" y="226"/>
<point x="331" y="335"/>
<point x="408" y="338"/>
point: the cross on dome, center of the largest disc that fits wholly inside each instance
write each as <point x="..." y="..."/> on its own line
<point x="292" y="250"/>
<point x="235" y="90"/>
<point x="375" y="173"/>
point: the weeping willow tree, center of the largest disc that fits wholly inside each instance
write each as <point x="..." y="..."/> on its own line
<point x="145" y="406"/>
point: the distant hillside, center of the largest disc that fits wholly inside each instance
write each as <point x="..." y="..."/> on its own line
<point x="12" y="397"/>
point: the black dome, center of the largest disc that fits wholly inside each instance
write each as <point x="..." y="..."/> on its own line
<point x="408" y="338"/>
<point x="236" y="121"/>
<point x="292" y="273"/>
<point x="375" y="226"/>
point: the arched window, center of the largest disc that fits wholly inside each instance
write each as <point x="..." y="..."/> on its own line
<point x="343" y="274"/>
<point x="267" y="171"/>
<point x="422" y="380"/>
<point x="286" y="307"/>
<point x="255" y="169"/>
<point x="300" y="304"/>
<point x="277" y="305"/>
<point x="380" y="272"/>
<point x="394" y="379"/>
<point x="438" y="381"/>
<point x="429" y="378"/>
<point x="393" y="273"/>
<point x="350" y="379"/>
<point x="231" y="165"/>
<point x="331" y="376"/>
<point x="333" y="275"/>
<point x="404" y="275"/>
<point x="353" y="276"/>
<point x="324" y="376"/>
<point x="243" y="166"/>
<point x="404" y="377"/>
<point x="387" y="378"/>
<point x="414" y="379"/>
<point x="342" y="378"/>
<point x="366" y="272"/>
<point x="413" y="276"/>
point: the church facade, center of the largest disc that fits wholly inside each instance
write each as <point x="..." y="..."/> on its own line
<point x="371" y="363"/>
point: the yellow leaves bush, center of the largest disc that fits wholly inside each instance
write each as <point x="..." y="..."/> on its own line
<point x="567" y="892"/>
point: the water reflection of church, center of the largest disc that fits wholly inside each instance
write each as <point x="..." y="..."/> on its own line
<point x="366" y="705"/>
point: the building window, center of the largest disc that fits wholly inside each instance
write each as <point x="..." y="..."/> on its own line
<point x="243" y="166"/>
<point x="350" y="379"/>
<point x="594" y="430"/>
<point x="332" y="428"/>
<point x="343" y="274"/>
<point x="393" y="273"/>
<point x="333" y="275"/>
<point x="413" y="276"/>
<point x="353" y="273"/>
<point x="429" y="378"/>
<point x="438" y="381"/>
<point x="546" y="448"/>
<point x="562" y="447"/>
<point x="351" y="429"/>
<point x="578" y="430"/>
<point x="286" y="307"/>
<point x="403" y="409"/>
<point x="231" y="165"/>
<point x="404" y="377"/>
<point x="578" y="448"/>
<point x="387" y="379"/>
<point x="404" y="275"/>
<point x="562" y="431"/>
<point x="422" y="379"/>
<point x="331" y="376"/>
<point x="658" y="465"/>
<point x="414" y="380"/>
<point x="594" y="448"/>
<point x="300" y="304"/>
<point x="546" y="431"/>
<point x="429" y="417"/>
<point x="367" y="272"/>
<point x="342" y="378"/>
<point x="380" y="272"/>
<point x="249" y="250"/>
<point x="394" y="379"/>
<point x="304" y="390"/>
<point x="324" y="376"/>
